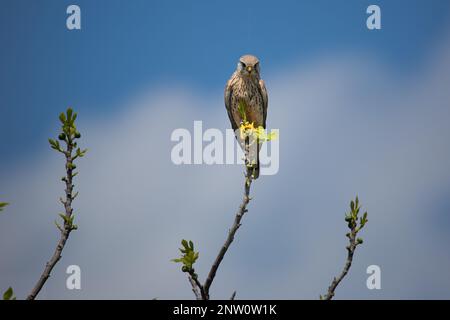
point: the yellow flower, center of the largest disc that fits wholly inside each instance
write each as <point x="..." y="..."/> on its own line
<point x="248" y="129"/>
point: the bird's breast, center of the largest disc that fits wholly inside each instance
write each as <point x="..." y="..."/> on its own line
<point x="247" y="92"/>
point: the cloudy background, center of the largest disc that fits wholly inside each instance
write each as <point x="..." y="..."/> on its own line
<point x="359" y="112"/>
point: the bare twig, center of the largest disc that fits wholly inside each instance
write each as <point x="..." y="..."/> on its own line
<point x="350" y="251"/>
<point x="355" y="227"/>
<point x="195" y="288"/>
<point x="236" y="224"/>
<point x="68" y="135"/>
<point x="189" y="255"/>
<point x="233" y="295"/>
<point x="197" y="283"/>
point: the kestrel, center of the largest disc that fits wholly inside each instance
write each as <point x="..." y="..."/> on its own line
<point x="246" y="86"/>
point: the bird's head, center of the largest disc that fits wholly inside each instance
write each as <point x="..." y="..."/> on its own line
<point x="248" y="65"/>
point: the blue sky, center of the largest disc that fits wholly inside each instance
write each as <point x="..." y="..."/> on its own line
<point x="359" y="112"/>
<point x="124" y="46"/>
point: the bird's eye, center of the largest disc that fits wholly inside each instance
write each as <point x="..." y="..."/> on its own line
<point x="243" y="65"/>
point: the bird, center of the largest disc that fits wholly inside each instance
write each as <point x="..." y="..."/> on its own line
<point x="246" y="87"/>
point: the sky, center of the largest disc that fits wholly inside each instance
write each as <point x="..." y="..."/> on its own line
<point x="359" y="112"/>
<point x="123" y="47"/>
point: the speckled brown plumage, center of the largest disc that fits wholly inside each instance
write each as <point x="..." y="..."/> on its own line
<point x="247" y="86"/>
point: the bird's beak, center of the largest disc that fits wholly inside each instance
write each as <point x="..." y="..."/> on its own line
<point x="249" y="69"/>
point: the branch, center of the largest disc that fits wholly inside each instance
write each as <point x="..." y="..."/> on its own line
<point x="195" y="288"/>
<point x="69" y="135"/>
<point x="236" y="224"/>
<point x="355" y="227"/>
<point x="189" y="256"/>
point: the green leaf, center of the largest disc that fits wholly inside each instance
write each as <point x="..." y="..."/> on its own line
<point x="69" y="114"/>
<point x="9" y="294"/>
<point x="71" y="166"/>
<point x="55" y="144"/>
<point x="3" y="205"/>
<point x="62" y="118"/>
<point x="363" y="220"/>
<point x="65" y="218"/>
<point x="188" y="257"/>
<point x="241" y="109"/>
<point x="58" y="226"/>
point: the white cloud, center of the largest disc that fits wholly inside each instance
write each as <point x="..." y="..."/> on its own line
<point x="347" y="126"/>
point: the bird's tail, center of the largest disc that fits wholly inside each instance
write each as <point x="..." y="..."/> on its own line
<point x="256" y="169"/>
<point x="253" y="169"/>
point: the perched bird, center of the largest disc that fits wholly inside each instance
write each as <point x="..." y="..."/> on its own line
<point x="246" y="87"/>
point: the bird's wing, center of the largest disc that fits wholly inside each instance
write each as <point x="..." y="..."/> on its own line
<point x="265" y="99"/>
<point x="227" y="98"/>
